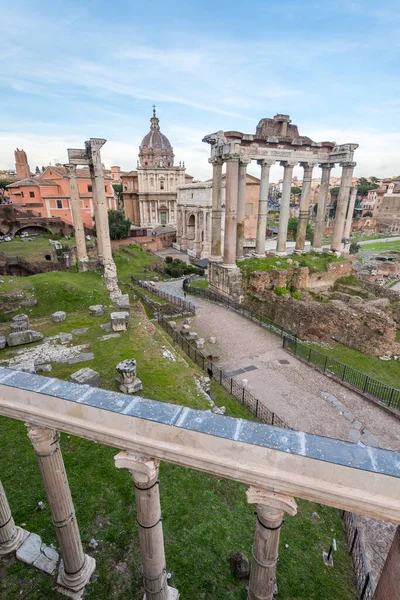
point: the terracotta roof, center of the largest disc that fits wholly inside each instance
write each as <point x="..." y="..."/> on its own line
<point x="81" y="173"/>
<point x="32" y="181"/>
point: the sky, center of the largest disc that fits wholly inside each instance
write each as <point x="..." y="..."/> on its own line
<point x="76" y="69"/>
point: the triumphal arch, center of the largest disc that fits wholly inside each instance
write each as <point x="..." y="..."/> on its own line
<point x="275" y="140"/>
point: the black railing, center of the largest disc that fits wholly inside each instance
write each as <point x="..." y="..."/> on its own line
<point x="185" y="305"/>
<point x="385" y="394"/>
<point x="238" y="391"/>
<point x="235" y="306"/>
<point x="364" y="583"/>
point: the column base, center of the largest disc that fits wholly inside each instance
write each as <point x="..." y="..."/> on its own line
<point x="13" y="545"/>
<point x="256" y="255"/>
<point x="298" y="251"/>
<point x="284" y="253"/>
<point x="216" y="259"/>
<point x="318" y="250"/>
<point x="73" y="586"/>
<point x="173" y="594"/>
<point x="240" y="258"/>
<point x="82" y="265"/>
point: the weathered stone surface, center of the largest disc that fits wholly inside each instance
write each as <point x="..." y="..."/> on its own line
<point x="119" y="320"/>
<point x="29" y="301"/>
<point x="26" y="367"/>
<point x="218" y="410"/>
<point x="240" y="564"/>
<point x="172" y="324"/>
<point x="61" y="337"/>
<point x="106" y="326"/>
<point x="200" y="343"/>
<point x="58" y="316"/>
<point x="87" y="376"/>
<point x="127" y="381"/>
<point x="192" y="336"/>
<point x="123" y="302"/>
<point x="44" y="368"/>
<point x="81" y="358"/>
<point x="212" y="340"/>
<point x="110" y="336"/>
<point x="21" y="317"/>
<point x="80" y="331"/>
<point x="19" y="325"/>
<point x="96" y="310"/>
<point x="3" y="342"/>
<point x="47" y="560"/>
<point x="18" y="338"/>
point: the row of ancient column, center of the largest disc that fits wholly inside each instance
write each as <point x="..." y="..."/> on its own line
<point x="76" y="567"/>
<point x="236" y="201"/>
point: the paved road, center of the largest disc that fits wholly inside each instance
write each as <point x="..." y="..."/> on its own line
<point x="304" y="398"/>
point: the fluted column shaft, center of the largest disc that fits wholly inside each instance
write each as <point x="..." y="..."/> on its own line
<point x="271" y="508"/>
<point x="144" y="473"/>
<point x="216" y="214"/>
<point x="321" y="208"/>
<point x="285" y="205"/>
<point x="304" y="207"/>
<point x="232" y="182"/>
<point x="341" y="207"/>
<point x="11" y="536"/>
<point x="76" y="567"/>
<point x="77" y="217"/>
<point x="241" y="208"/>
<point x="350" y="211"/>
<point x="263" y="207"/>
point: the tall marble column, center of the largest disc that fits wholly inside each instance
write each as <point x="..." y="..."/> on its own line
<point x="80" y="239"/>
<point x="216" y="214"/>
<point x="270" y="509"/>
<point x="263" y="207"/>
<point x="144" y="471"/>
<point x="11" y="536"/>
<point x="285" y="205"/>
<point x="76" y="567"/>
<point x="184" y="243"/>
<point x="241" y="208"/>
<point x="321" y="208"/>
<point x="232" y="184"/>
<point x="350" y="211"/>
<point x="304" y="207"/>
<point x="341" y="207"/>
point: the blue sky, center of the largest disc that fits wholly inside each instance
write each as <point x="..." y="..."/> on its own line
<point x="93" y="68"/>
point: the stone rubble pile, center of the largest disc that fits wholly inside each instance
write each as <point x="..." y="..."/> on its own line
<point x="168" y="354"/>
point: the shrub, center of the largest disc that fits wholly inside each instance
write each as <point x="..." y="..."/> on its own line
<point x="175" y="272"/>
<point x="354" y="247"/>
<point x="280" y="291"/>
<point x="119" y="226"/>
<point x="168" y="259"/>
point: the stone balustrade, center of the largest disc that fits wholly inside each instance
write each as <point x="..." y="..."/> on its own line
<point x="275" y="464"/>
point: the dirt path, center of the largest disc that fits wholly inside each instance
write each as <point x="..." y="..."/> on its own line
<point x="304" y="398"/>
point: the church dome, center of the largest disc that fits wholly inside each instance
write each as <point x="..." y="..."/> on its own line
<point x="155" y="149"/>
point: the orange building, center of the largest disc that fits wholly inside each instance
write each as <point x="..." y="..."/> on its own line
<point x="47" y="195"/>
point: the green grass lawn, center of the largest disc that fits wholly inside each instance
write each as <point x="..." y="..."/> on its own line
<point x="133" y="260"/>
<point x="314" y="261"/>
<point x="33" y="251"/>
<point x="201" y="283"/>
<point x="205" y="519"/>
<point x="380" y="246"/>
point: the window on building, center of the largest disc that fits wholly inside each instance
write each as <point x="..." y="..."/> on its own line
<point x="249" y="209"/>
<point x="32" y="194"/>
<point x="161" y="185"/>
<point x="89" y="188"/>
<point x="163" y="217"/>
<point x="22" y="194"/>
<point x="59" y="203"/>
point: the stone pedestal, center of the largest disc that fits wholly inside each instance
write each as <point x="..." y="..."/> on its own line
<point x="86" y="376"/>
<point x="58" y="316"/>
<point x="225" y="280"/>
<point x="76" y="567"/>
<point x="119" y="321"/>
<point x="11" y="536"/>
<point x="144" y="473"/>
<point x="270" y="511"/>
<point x="127" y="381"/>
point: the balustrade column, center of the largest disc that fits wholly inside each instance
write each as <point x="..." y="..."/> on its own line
<point x="216" y="214"/>
<point x="285" y="205"/>
<point x="270" y="509"/>
<point x="77" y="217"/>
<point x="304" y="207"/>
<point x="263" y="207"/>
<point x="350" y="211"/>
<point x="341" y="207"/>
<point x="76" y="567"/>
<point x="241" y="208"/>
<point x="232" y="183"/>
<point x="11" y="536"/>
<point x="321" y="208"/>
<point x="144" y="471"/>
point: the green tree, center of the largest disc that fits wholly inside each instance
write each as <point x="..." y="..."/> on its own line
<point x="3" y="185"/>
<point x="295" y="190"/>
<point x="364" y="188"/>
<point x="374" y="179"/>
<point x="117" y="187"/>
<point x="37" y="171"/>
<point x="334" y="192"/>
<point x="118" y="224"/>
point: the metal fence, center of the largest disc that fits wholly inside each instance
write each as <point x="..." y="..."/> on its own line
<point x="238" y="391"/>
<point x="185" y="305"/>
<point x="374" y="389"/>
<point x="387" y="395"/>
<point x="364" y="583"/>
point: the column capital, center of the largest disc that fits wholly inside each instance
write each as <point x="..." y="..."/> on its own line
<point x="265" y="499"/>
<point x="244" y="161"/>
<point x="43" y="440"/>
<point x="307" y="165"/>
<point x="216" y="160"/>
<point x="327" y="165"/>
<point x="233" y="157"/>
<point x="266" y="162"/>
<point x="143" y="468"/>
<point x="348" y="165"/>
<point x="288" y="163"/>
<point x="71" y="170"/>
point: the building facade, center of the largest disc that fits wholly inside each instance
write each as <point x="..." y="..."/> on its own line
<point x="48" y="195"/>
<point x="150" y="192"/>
<point x="194" y="210"/>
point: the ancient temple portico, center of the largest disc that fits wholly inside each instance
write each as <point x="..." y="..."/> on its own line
<point x="275" y="140"/>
